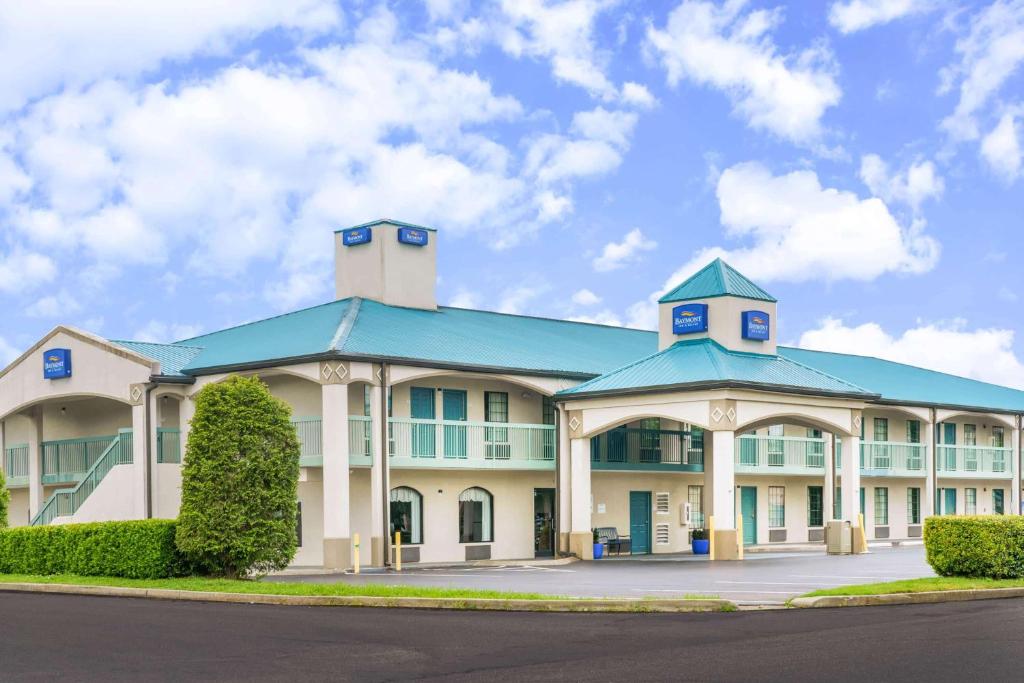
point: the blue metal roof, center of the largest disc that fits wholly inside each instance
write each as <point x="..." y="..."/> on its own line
<point x="717" y="278"/>
<point x="388" y="221"/>
<point x="172" y="357"/>
<point x="701" y="361"/>
<point x="908" y="383"/>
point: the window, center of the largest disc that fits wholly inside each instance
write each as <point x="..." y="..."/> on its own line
<point x="913" y="506"/>
<point x="476" y="516"/>
<point x="997" y="502"/>
<point x="879" y="454"/>
<point x="695" y="496"/>
<point x="970" y="435"/>
<point x="998" y="440"/>
<point x="913" y="431"/>
<point x="776" y="447"/>
<point x="298" y="524"/>
<point x="815" y="506"/>
<point x="776" y="506"/>
<point x="881" y="429"/>
<point x="496" y="438"/>
<point x="495" y="406"/>
<point x="367" y="395"/>
<point x="547" y="410"/>
<point x="971" y="501"/>
<point x="407" y="514"/>
<point x="881" y="506"/>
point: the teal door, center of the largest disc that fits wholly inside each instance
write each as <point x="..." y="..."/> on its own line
<point x="748" y="508"/>
<point x="640" y="522"/>
<point x="997" y="502"/>
<point x="453" y="403"/>
<point x="424" y="436"/>
<point x="949" y="502"/>
<point x="949" y="437"/>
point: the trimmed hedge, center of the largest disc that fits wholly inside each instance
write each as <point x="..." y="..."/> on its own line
<point x="142" y="549"/>
<point x="990" y="546"/>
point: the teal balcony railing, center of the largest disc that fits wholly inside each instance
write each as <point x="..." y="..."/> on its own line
<point x="310" y="431"/>
<point x="168" y="445"/>
<point x="972" y="462"/>
<point x="66" y="502"/>
<point x="16" y="465"/>
<point x="67" y="460"/>
<point x="779" y="455"/>
<point x="892" y="459"/>
<point x="629" y="448"/>
<point x="481" y="445"/>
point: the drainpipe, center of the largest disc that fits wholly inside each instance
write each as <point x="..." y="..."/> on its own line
<point x="935" y="462"/>
<point x="558" y="482"/>
<point x="385" y="381"/>
<point x="149" y="450"/>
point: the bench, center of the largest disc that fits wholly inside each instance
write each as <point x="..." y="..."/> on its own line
<point x="609" y="536"/>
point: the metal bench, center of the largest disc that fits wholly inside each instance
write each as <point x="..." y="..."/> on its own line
<point x="609" y="536"/>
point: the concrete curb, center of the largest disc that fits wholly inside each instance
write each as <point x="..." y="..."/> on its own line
<point x="924" y="598"/>
<point x="558" y="605"/>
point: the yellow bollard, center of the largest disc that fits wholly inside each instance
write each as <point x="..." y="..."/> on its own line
<point x="398" y="551"/>
<point x="711" y="537"/>
<point x="739" y="537"/>
<point x="355" y="552"/>
<point x="862" y="540"/>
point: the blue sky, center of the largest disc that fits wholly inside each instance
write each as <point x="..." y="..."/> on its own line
<point x="168" y="168"/>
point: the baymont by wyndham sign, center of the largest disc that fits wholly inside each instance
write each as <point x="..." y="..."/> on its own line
<point x="57" y="364"/>
<point x="756" y="325"/>
<point x="690" y="319"/>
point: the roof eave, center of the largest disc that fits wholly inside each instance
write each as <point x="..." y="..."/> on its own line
<point x="718" y="384"/>
<point x="669" y="299"/>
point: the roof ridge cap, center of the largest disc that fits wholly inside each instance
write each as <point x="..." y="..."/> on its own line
<point x="346" y="324"/>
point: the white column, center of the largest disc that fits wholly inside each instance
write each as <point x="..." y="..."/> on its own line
<point x="829" y="488"/>
<point x="379" y="463"/>
<point x="851" y="479"/>
<point x="35" y="461"/>
<point x="723" y="479"/>
<point x="1014" y="506"/>
<point x="139" y="436"/>
<point x="565" y="492"/>
<point x="581" y="539"/>
<point x="337" y="531"/>
<point x="928" y="436"/>
<point x="186" y="410"/>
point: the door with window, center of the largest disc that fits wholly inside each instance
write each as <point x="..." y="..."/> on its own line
<point x="748" y="508"/>
<point x="424" y="436"/>
<point x="453" y="405"/>
<point x="544" y="522"/>
<point x="640" y="522"/>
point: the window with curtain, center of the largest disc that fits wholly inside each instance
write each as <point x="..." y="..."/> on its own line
<point x="776" y="446"/>
<point x="815" y="453"/>
<point x="815" y="506"/>
<point x="696" y="449"/>
<point x="496" y="438"/>
<point x="971" y="501"/>
<point x="970" y="435"/>
<point x="407" y="514"/>
<point x="913" y="431"/>
<point x="367" y="395"/>
<point x="881" y="506"/>
<point x="476" y="516"/>
<point x="913" y="505"/>
<point x="998" y="440"/>
<point x="776" y="506"/>
<point x="881" y="432"/>
<point x="695" y="496"/>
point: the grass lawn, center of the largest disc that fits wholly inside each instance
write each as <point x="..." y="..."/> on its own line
<point x="267" y="588"/>
<point x="938" y="583"/>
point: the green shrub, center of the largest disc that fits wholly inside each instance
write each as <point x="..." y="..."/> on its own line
<point x="989" y="546"/>
<point x="239" y="482"/>
<point x="141" y="549"/>
<point x="701" y="534"/>
<point x="5" y="500"/>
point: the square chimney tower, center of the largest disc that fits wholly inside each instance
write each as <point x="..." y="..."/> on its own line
<point x="388" y="261"/>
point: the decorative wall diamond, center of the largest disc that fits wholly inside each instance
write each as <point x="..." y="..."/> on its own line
<point x="731" y="414"/>
<point x="717" y="414"/>
<point x="574" y="423"/>
<point x="136" y="393"/>
<point x="335" y="371"/>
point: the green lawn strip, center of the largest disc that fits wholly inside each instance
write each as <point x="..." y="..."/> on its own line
<point x="257" y="587"/>
<point x="937" y="583"/>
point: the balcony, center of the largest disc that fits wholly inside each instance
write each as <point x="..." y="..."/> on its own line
<point x="168" y="446"/>
<point x="892" y="459"/>
<point x="632" y="449"/>
<point x="472" y="445"/>
<point x="780" y="455"/>
<point x="310" y="431"/>
<point x="16" y="465"/>
<point x="67" y="460"/>
<point x="974" y="462"/>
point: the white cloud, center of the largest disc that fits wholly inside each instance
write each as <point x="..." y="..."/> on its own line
<point x="22" y="271"/>
<point x="7" y="353"/>
<point x="605" y="317"/>
<point x="52" y="43"/>
<point x="54" y="306"/>
<point x="984" y="354"/>
<point x="613" y="127"/>
<point x="1001" y="148"/>
<point x="638" y="95"/>
<point x="855" y="15"/>
<point x="729" y="49"/>
<point x="162" y="333"/>
<point x="585" y="297"/>
<point x="601" y="138"/>
<point x="990" y="53"/>
<point x="515" y="299"/>
<point x="911" y="186"/>
<point x="464" y="298"/>
<point x="617" y="255"/>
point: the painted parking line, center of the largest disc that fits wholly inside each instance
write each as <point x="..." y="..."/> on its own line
<point x="776" y="583"/>
<point x="691" y="591"/>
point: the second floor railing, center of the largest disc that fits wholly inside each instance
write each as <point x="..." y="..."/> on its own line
<point x="168" y="445"/>
<point x="67" y="460"/>
<point x="631" y="448"/>
<point x="310" y="431"/>
<point x="451" y="443"/>
<point x="893" y="458"/>
<point x="780" y="454"/>
<point x="973" y="461"/>
<point x="16" y="465"/>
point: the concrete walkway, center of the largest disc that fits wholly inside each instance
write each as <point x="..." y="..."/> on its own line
<point x="769" y="578"/>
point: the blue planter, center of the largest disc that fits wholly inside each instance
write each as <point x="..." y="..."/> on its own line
<point x="598" y="551"/>
<point x="701" y="547"/>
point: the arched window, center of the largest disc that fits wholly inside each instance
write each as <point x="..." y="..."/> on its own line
<point x="476" y="516"/>
<point x="407" y="514"/>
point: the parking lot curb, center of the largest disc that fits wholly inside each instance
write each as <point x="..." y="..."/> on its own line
<point x="490" y="604"/>
<point x="923" y="598"/>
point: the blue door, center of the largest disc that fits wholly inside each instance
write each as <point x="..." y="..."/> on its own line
<point x="949" y="437"/>
<point x="453" y="403"/>
<point x="949" y="502"/>
<point x="424" y="436"/>
<point x="640" y="522"/>
<point x="748" y="508"/>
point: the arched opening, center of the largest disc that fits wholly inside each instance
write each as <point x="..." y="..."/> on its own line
<point x="649" y="442"/>
<point x="476" y="516"/>
<point x="407" y="514"/>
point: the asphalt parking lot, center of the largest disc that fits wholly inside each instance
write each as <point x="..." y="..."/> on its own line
<point x="765" y="578"/>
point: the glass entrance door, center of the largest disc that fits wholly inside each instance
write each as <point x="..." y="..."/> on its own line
<point x="544" y="522"/>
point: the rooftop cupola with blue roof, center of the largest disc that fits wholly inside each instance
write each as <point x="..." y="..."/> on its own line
<point x="720" y="303"/>
<point x="388" y="261"/>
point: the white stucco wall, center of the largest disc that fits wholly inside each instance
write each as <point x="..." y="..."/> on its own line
<point x="112" y="500"/>
<point x="610" y="491"/>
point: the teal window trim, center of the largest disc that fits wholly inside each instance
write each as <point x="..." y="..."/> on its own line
<point x="815" y="506"/>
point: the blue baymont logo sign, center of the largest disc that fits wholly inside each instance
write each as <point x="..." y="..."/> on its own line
<point x="413" y="236"/>
<point x="57" y="364"/>
<point x="690" y="318"/>
<point x="354" y="236"/>
<point x="756" y="325"/>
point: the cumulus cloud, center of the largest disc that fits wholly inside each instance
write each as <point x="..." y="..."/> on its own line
<point x="617" y="255"/>
<point x="8" y="353"/>
<point x="22" y="270"/>
<point x="584" y="297"/>
<point x="1002" y="149"/>
<point x="516" y="299"/>
<point x="856" y="15"/>
<point x="598" y="142"/>
<point x="983" y="354"/>
<point x="464" y="298"/>
<point x="604" y="317"/>
<point x="730" y="49"/>
<point x="162" y="333"/>
<point x="911" y="185"/>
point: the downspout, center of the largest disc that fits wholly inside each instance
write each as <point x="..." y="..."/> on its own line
<point x="147" y="422"/>
<point x="385" y="381"/>
<point x="935" y="463"/>
<point x="558" y="482"/>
